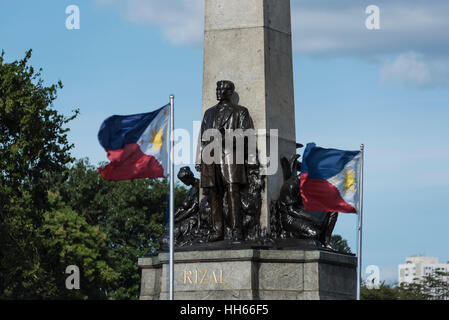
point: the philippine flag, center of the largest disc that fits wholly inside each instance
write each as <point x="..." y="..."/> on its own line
<point x="137" y="145"/>
<point x="330" y="179"/>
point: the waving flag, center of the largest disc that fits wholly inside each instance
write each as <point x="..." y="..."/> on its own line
<point x="137" y="145"/>
<point x="330" y="179"/>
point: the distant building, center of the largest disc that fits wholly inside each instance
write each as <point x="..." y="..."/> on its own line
<point x="416" y="268"/>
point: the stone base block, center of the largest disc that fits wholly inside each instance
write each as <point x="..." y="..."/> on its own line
<point x="251" y="275"/>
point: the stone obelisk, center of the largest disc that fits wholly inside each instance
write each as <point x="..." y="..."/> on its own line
<point x="249" y="42"/>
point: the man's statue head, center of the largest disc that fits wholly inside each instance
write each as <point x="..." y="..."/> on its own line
<point x="186" y="176"/>
<point x="225" y="90"/>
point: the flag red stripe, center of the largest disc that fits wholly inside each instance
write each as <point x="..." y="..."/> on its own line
<point x="320" y="195"/>
<point x="131" y="163"/>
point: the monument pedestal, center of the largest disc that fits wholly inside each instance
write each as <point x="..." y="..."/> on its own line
<point x="251" y="274"/>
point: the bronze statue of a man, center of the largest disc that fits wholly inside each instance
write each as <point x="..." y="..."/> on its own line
<point x="225" y="175"/>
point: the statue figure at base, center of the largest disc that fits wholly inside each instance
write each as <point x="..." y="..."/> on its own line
<point x="187" y="219"/>
<point x="290" y="220"/>
<point x="192" y="217"/>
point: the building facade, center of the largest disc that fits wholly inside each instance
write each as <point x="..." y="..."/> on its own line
<point x="416" y="268"/>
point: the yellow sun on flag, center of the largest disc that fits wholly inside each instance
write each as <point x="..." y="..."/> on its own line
<point x="157" y="139"/>
<point x="349" y="181"/>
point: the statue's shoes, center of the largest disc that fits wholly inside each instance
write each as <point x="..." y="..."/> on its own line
<point x="216" y="237"/>
<point x="237" y="236"/>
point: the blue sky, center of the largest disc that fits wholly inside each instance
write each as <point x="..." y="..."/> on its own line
<point x="387" y="89"/>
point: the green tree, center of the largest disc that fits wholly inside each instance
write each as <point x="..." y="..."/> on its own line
<point x="434" y="286"/>
<point x="33" y="140"/>
<point x="339" y="244"/>
<point x="131" y="213"/>
<point x="70" y="240"/>
<point x="384" y="292"/>
<point x="53" y="215"/>
<point x="412" y="291"/>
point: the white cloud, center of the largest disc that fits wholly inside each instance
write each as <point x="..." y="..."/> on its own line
<point x="415" y="32"/>
<point x="416" y="70"/>
<point x="180" y="21"/>
<point x="321" y="27"/>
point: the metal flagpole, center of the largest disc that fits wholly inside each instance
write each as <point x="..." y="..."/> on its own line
<point x="172" y="199"/>
<point x="359" y="225"/>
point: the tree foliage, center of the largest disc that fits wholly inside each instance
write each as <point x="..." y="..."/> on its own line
<point x="54" y="214"/>
<point x="69" y="240"/>
<point x="339" y="244"/>
<point x="384" y="292"/>
<point x="131" y="213"/>
<point x="33" y="140"/>
<point x="434" y="286"/>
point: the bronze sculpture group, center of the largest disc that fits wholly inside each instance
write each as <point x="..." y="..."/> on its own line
<point x="231" y="207"/>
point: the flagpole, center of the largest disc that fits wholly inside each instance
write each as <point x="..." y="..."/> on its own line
<point x="172" y="199"/>
<point x="359" y="224"/>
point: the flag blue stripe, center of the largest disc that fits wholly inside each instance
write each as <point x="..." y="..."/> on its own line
<point x="118" y="131"/>
<point x="322" y="163"/>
